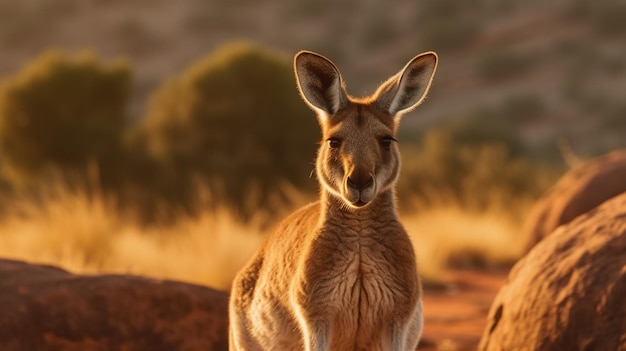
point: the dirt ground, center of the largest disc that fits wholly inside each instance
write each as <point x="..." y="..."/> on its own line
<point x="455" y="312"/>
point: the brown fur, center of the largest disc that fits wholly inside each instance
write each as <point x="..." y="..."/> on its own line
<point x="340" y="273"/>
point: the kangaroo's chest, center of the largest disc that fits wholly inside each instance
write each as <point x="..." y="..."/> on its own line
<point x="364" y="275"/>
<point x="361" y="278"/>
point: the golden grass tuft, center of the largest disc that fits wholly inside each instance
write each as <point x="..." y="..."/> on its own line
<point x="450" y="235"/>
<point x="86" y="234"/>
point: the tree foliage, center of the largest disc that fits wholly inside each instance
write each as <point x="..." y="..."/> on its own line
<point x="234" y="120"/>
<point x="63" y="112"/>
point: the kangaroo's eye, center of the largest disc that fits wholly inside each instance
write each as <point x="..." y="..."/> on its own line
<point x="385" y="142"/>
<point x="334" y="143"/>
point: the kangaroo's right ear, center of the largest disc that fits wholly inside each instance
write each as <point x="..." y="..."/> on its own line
<point x="407" y="89"/>
<point x="320" y="83"/>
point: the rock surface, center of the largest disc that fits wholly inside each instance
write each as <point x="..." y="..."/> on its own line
<point x="578" y="191"/>
<point x="44" y="308"/>
<point x="569" y="291"/>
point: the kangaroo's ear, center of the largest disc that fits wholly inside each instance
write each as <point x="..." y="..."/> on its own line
<point x="319" y="82"/>
<point x="407" y="89"/>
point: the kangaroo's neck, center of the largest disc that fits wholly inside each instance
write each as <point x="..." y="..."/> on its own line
<point x="381" y="209"/>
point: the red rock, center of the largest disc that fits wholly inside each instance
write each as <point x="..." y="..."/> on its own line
<point x="578" y="191"/>
<point x="569" y="291"/>
<point x="46" y="308"/>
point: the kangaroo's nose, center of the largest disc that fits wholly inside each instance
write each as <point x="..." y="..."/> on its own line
<point x="359" y="181"/>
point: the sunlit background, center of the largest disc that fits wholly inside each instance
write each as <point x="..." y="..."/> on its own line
<point x="165" y="137"/>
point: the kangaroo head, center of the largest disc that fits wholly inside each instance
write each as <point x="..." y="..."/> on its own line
<point x="358" y="157"/>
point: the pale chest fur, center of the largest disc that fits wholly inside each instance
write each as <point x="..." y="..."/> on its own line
<point x="357" y="273"/>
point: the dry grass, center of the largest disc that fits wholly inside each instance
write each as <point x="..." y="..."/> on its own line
<point x="85" y="234"/>
<point x="450" y="235"/>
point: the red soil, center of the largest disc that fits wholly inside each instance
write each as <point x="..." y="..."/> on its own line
<point x="455" y="315"/>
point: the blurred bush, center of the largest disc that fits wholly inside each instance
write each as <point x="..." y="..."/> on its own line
<point x="63" y="112"/>
<point x="232" y="121"/>
<point x="477" y="164"/>
<point x="487" y="126"/>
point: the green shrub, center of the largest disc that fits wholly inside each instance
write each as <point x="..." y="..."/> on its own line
<point x="233" y="120"/>
<point x="63" y="112"/>
<point x="486" y="127"/>
<point x="479" y="161"/>
<point x="475" y="175"/>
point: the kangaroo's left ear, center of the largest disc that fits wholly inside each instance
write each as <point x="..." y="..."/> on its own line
<point x="407" y="89"/>
<point x="320" y="83"/>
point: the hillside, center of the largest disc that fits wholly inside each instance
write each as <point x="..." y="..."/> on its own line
<point x="548" y="70"/>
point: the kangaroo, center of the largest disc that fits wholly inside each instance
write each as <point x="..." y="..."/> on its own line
<point x="340" y="273"/>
